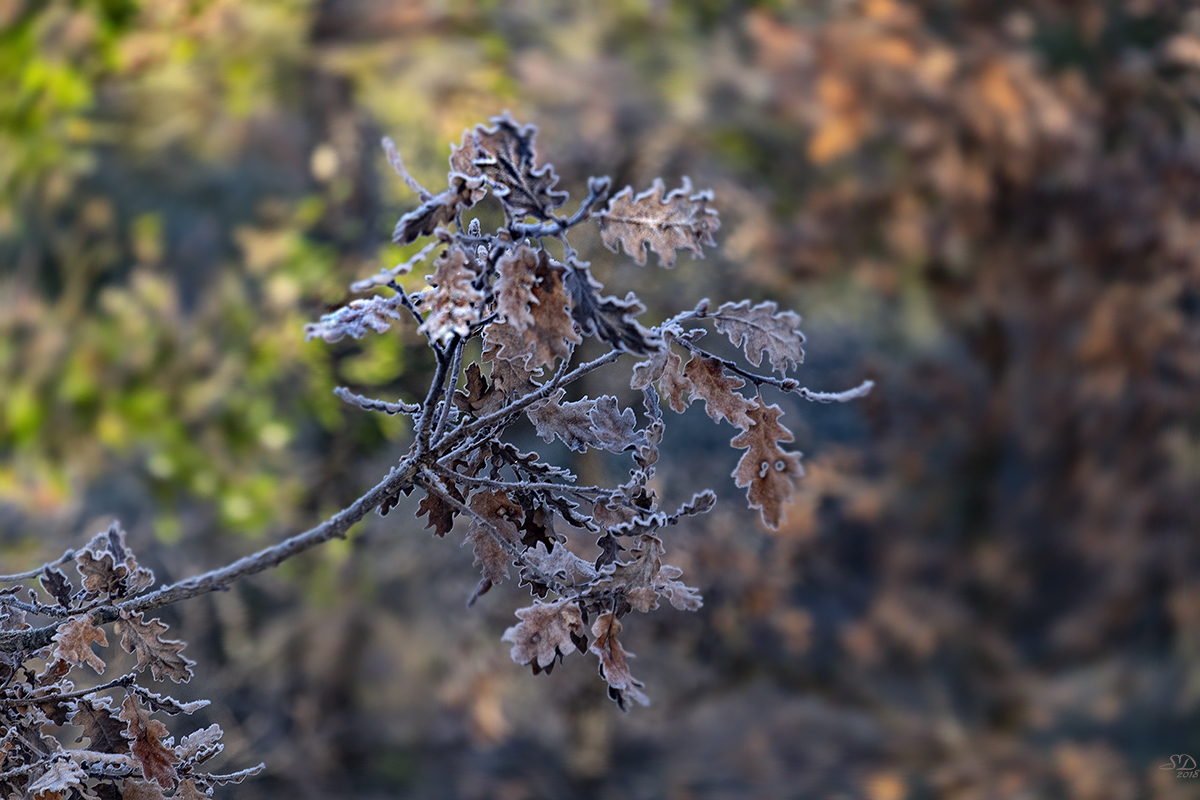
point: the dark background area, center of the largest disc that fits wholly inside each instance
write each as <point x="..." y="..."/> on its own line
<point x="988" y="584"/>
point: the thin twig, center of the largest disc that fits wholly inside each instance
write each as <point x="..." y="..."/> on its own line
<point x="790" y="385"/>
<point x="124" y="680"/>
<point x="217" y="579"/>
<point x="371" y="404"/>
<point x="526" y="486"/>
<point x="393" y="157"/>
<point x="33" y="573"/>
<point x="455" y="368"/>
<point x="430" y="405"/>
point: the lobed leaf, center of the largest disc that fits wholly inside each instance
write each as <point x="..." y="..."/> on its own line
<point x="614" y="667"/>
<point x="145" y="735"/>
<point x="161" y="655"/>
<point x="439" y="211"/>
<point x="585" y="423"/>
<point x="506" y="158"/>
<point x="100" y="726"/>
<point x="58" y="781"/>
<point x="73" y="643"/>
<point x="354" y="318"/>
<point x="681" y="219"/>
<point x="760" y="329"/>
<point x="766" y="469"/>
<point x="518" y="274"/>
<point x="454" y="304"/>
<point x="546" y="631"/>
<point x="498" y="511"/>
<point x="709" y="382"/>
<point x="609" y="319"/>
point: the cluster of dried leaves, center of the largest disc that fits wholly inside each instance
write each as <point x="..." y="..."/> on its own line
<point x="530" y="312"/>
<point x="129" y="753"/>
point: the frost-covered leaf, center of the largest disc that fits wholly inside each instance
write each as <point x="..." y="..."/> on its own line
<point x="439" y="211"/>
<point x="501" y="513"/>
<point x="681" y="219"/>
<point x="614" y="667"/>
<point x="354" y="318"/>
<point x="189" y="790"/>
<point x="546" y="631"/>
<point x="73" y="643"/>
<point x="145" y="735"/>
<point x="477" y="398"/>
<point x="100" y="726"/>
<point x="161" y="655"/>
<point x="552" y="327"/>
<point x="718" y="390"/>
<point x="608" y="318"/>
<point x="453" y="304"/>
<point x="505" y="155"/>
<point x="441" y="514"/>
<point x="517" y="271"/>
<point x="134" y="789"/>
<point x="201" y="745"/>
<point x="167" y="704"/>
<point x="100" y="575"/>
<point x="56" y="583"/>
<point x="585" y="423"/>
<point x="675" y="385"/>
<point x="685" y="598"/>
<point x="700" y="503"/>
<point x="761" y="329"/>
<point x="767" y="470"/>
<point x="612" y="429"/>
<point x="57" y="781"/>
<point x="232" y="777"/>
<point x="505" y="348"/>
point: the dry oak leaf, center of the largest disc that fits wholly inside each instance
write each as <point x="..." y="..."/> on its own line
<point x="679" y="220"/>
<point x="477" y="398"/>
<point x="498" y="513"/>
<point x="454" y="303"/>
<point x="56" y="583"/>
<point x="441" y="514"/>
<point x="505" y="349"/>
<point x="133" y="789"/>
<point x="354" y="318"/>
<point x="718" y="390"/>
<point x="585" y="423"/>
<point x="553" y="328"/>
<point x="768" y="471"/>
<point x="622" y="686"/>
<point x="546" y="630"/>
<point x="439" y="211"/>
<point x="505" y="155"/>
<point x="674" y="383"/>
<point x="100" y="574"/>
<point x="763" y="330"/>
<point x="514" y="287"/>
<point x="73" y="643"/>
<point x="57" y="781"/>
<point x="188" y="790"/>
<point x="145" y="735"/>
<point x="199" y="746"/>
<point x="161" y="655"/>
<point x="608" y="318"/>
<point x="100" y="726"/>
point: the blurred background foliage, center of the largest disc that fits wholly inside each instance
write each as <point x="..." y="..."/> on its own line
<point x="989" y="585"/>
